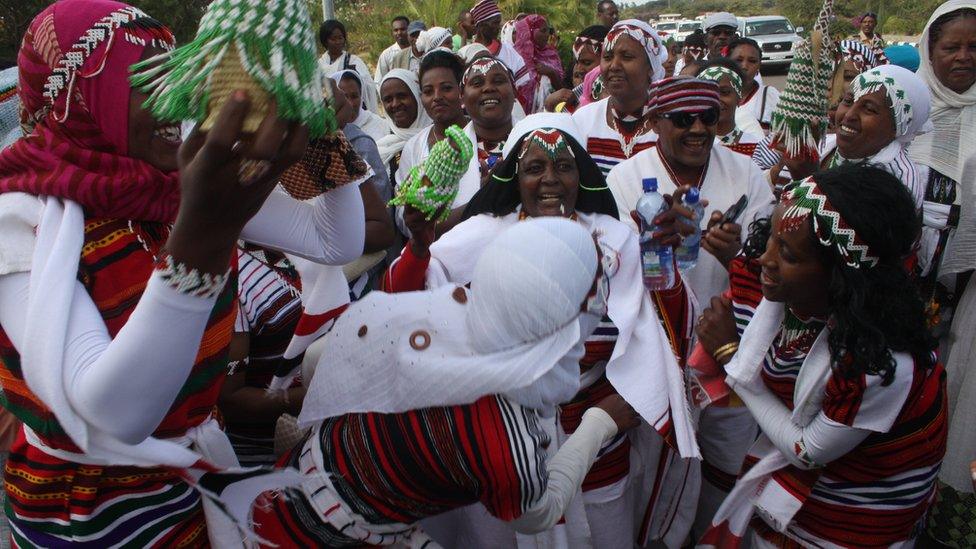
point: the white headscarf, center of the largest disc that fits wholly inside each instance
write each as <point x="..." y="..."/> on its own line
<point x="647" y="37"/>
<point x="953" y="114"/>
<point x="910" y="99"/>
<point x="390" y="353"/>
<point x="366" y="119"/>
<point x="393" y="143"/>
<point x="432" y="38"/>
<point x="469" y="52"/>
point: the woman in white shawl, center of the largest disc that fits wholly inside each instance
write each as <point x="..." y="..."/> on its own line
<point x="884" y="109"/>
<point x="362" y="93"/>
<point x="545" y="172"/>
<point x="948" y="66"/>
<point x="400" y="93"/>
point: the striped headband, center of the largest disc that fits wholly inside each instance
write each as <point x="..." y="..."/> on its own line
<point x="805" y="199"/>
<point x="586" y="42"/>
<point x="485" y="10"/>
<point x="481" y="66"/>
<point x="717" y="72"/>
<point x="901" y="108"/>
<point x="684" y="94"/>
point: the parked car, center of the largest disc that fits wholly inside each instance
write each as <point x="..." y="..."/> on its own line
<point x="667" y="29"/>
<point x="774" y="34"/>
<point x="685" y="28"/>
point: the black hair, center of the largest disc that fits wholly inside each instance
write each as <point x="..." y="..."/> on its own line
<point x="442" y="59"/>
<point x="595" y="32"/>
<point x="870" y="14"/>
<point x="935" y="29"/>
<point x="722" y="62"/>
<point x="500" y="195"/>
<point x="873" y="311"/>
<point x="741" y="41"/>
<point x="403" y="18"/>
<point x="601" y="5"/>
<point x="328" y="27"/>
<point x="696" y="38"/>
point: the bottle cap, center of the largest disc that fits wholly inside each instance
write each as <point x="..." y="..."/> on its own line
<point x="649" y="184"/>
<point x="692" y="196"/>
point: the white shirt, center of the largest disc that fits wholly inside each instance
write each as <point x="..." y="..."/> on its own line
<point x="384" y="62"/>
<point x="730" y="175"/>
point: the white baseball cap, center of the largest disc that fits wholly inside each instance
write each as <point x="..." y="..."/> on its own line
<point x="720" y="19"/>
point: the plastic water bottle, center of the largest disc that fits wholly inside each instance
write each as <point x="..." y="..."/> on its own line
<point x="686" y="254"/>
<point x="656" y="260"/>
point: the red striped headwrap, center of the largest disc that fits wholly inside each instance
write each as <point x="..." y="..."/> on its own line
<point x="684" y="94"/>
<point x="485" y="10"/>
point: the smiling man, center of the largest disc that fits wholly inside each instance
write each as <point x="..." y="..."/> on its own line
<point x="685" y="113"/>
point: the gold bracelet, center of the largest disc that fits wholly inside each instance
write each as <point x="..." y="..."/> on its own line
<point x="725" y="351"/>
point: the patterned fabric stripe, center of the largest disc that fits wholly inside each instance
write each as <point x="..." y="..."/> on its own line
<point x="607" y="153"/>
<point x="747" y="149"/>
<point x="109" y="505"/>
<point x="613" y="461"/>
<point x="399" y="468"/>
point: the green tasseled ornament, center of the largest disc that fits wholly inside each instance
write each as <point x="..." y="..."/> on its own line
<point x="266" y="47"/>
<point x="434" y="184"/>
<point x="800" y="119"/>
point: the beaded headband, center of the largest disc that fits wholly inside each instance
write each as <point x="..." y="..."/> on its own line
<point x="901" y="109"/>
<point x="583" y="42"/>
<point x="805" y="199"/>
<point x="549" y="140"/>
<point x="481" y="67"/>
<point x="717" y="73"/>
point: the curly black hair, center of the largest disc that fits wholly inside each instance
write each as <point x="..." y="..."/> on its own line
<point x="328" y="27"/>
<point x="935" y="29"/>
<point x="877" y="311"/>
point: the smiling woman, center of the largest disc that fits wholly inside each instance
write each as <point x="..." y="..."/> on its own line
<point x="545" y="172"/>
<point x="840" y="320"/>
<point x="619" y="126"/>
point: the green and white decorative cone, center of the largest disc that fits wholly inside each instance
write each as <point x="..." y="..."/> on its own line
<point x="266" y="47"/>
<point x="433" y="184"/>
<point x="799" y="122"/>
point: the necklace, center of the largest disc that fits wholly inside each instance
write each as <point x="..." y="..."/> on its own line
<point x="674" y="176"/>
<point x="797" y="335"/>
<point x="626" y="144"/>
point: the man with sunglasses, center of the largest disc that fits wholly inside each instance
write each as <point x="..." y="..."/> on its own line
<point x="720" y="29"/>
<point x="685" y="115"/>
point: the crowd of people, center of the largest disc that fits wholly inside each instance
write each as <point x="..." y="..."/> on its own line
<point x="194" y="353"/>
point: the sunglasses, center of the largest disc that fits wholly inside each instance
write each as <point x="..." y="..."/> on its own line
<point x="685" y="120"/>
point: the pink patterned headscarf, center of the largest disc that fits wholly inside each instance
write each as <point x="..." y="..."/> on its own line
<point x="74" y="94"/>
<point x="532" y="54"/>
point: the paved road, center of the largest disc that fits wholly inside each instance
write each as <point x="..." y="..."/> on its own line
<point x="776" y="79"/>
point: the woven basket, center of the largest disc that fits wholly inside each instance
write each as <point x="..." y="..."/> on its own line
<point x="328" y="162"/>
<point x="229" y="77"/>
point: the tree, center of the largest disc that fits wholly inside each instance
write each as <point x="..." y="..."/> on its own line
<point x="181" y="16"/>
